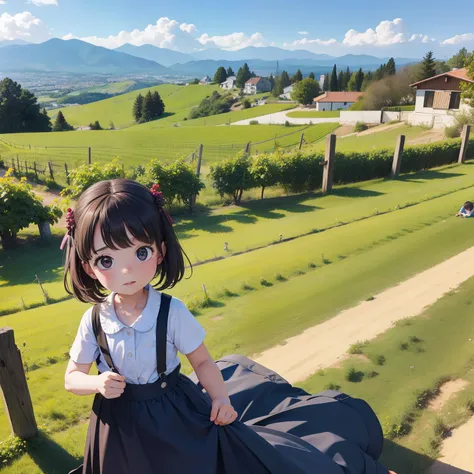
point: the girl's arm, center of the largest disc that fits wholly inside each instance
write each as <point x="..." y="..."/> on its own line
<point x="208" y="373"/>
<point x="78" y="381"/>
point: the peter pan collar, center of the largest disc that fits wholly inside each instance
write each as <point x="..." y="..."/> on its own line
<point x="111" y="324"/>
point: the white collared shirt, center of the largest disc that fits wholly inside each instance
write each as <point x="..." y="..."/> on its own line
<point x="133" y="348"/>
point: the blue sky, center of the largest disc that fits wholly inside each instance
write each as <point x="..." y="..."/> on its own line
<point x="399" y="28"/>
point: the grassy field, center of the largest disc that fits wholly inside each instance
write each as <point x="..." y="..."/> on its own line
<point x="177" y="99"/>
<point x="314" y="114"/>
<point x="136" y="146"/>
<point x="305" y="281"/>
<point x="405" y="241"/>
<point x="375" y="140"/>
<point x="203" y="236"/>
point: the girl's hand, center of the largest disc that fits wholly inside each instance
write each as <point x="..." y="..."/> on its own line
<point x="110" y="384"/>
<point x="222" y="412"/>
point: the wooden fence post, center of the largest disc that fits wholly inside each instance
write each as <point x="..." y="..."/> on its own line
<point x="36" y="172"/>
<point x="14" y="387"/>
<point x="329" y="156"/>
<point x="464" y="143"/>
<point x="67" y="173"/>
<point x="90" y="155"/>
<point x="51" y="170"/>
<point x="247" y="147"/>
<point x="198" y="167"/>
<point x="397" y="156"/>
<point x="301" y="141"/>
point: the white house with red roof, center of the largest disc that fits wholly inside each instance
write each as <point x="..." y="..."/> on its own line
<point x="336" y="100"/>
<point x="257" y="85"/>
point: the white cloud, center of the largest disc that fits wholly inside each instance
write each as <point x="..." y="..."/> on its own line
<point x="386" y="33"/>
<point x="40" y="3"/>
<point x="188" y="28"/>
<point x="165" y="33"/>
<point x="303" y="33"/>
<point x="423" y="38"/>
<point x="458" y="39"/>
<point x="2" y="2"/>
<point x="309" y="42"/>
<point x="233" y="41"/>
<point x="23" y="26"/>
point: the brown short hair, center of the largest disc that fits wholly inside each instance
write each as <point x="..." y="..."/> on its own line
<point x="116" y="205"/>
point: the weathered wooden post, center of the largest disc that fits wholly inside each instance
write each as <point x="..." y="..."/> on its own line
<point x="90" y="155"/>
<point x="36" y="171"/>
<point x="329" y="156"/>
<point x="198" y="167"/>
<point x="247" y="147"/>
<point x="14" y="387"/>
<point x="397" y="156"/>
<point x="464" y="143"/>
<point x="51" y="170"/>
<point x="67" y="173"/>
<point x="301" y="141"/>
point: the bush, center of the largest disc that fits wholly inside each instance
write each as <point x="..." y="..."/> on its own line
<point x="246" y="104"/>
<point x="452" y="132"/>
<point x="360" y="127"/>
<point x="287" y="124"/>
<point x="95" y="126"/>
<point x="253" y="122"/>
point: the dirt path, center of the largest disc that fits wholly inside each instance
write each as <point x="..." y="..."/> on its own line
<point x="457" y="454"/>
<point x="325" y="344"/>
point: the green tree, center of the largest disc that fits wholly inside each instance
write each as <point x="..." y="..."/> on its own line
<point x="298" y="76"/>
<point x="468" y="89"/>
<point x="340" y="80"/>
<point x="459" y="60"/>
<point x="312" y="76"/>
<point x="60" y="124"/>
<point x="305" y="91"/>
<point x="147" y="108"/>
<point x="230" y="72"/>
<point x="220" y="75"/>
<point x="360" y="79"/>
<point x="346" y="78"/>
<point x="158" y="105"/>
<point x="137" y="108"/>
<point x="284" y="80"/>
<point x="367" y="80"/>
<point x="243" y="75"/>
<point x="391" y="69"/>
<point x="264" y="172"/>
<point x="19" y="110"/>
<point x="272" y="81"/>
<point x="233" y="177"/>
<point x="352" y="84"/>
<point x="428" y="66"/>
<point x="333" y="83"/>
<point x="95" y="126"/>
<point x="326" y="83"/>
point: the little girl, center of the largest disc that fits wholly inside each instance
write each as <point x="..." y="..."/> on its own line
<point x="146" y="416"/>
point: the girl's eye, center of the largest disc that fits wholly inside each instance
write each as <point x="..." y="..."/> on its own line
<point x="104" y="263"/>
<point x="144" y="253"/>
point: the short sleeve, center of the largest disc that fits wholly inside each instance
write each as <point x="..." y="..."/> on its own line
<point x="186" y="332"/>
<point x="85" y="349"/>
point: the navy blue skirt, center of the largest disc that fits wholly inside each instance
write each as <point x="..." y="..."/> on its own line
<point x="280" y="430"/>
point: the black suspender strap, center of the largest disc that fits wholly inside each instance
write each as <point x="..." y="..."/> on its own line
<point x="161" y="332"/>
<point x="101" y="338"/>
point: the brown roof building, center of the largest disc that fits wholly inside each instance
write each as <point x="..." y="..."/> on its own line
<point x="439" y="97"/>
<point x="336" y="100"/>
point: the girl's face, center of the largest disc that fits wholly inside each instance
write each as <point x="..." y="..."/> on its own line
<point x="124" y="271"/>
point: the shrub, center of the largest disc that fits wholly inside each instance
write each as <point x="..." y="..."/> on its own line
<point x="253" y="122"/>
<point x="357" y="348"/>
<point x="354" y="375"/>
<point x="380" y="360"/>
<point x="332" y="386"/>
<point x="452" y="132"/>
<point x="246" y="104"/>
<point x="360" y="127"/>
<point x="287" y="124"/>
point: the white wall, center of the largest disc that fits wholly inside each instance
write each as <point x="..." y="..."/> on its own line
<point x="335" y="105"/>
<point x="366" y="116"/>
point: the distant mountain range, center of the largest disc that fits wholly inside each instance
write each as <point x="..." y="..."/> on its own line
<point x="12" y="42"/>
<point x="76" y="56"/>
<point x="73" y="56"/>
